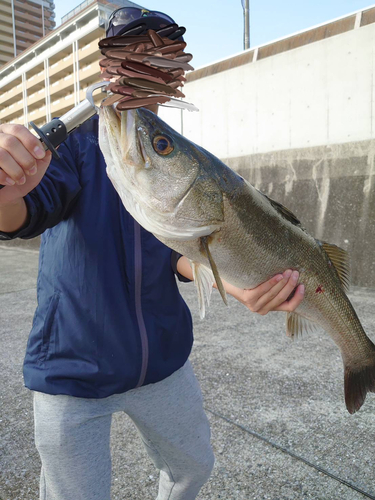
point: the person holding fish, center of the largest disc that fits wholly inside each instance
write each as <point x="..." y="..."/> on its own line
<point x="111" y="331"/>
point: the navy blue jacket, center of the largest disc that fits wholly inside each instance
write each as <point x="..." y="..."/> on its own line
<point x="109" y="316"/>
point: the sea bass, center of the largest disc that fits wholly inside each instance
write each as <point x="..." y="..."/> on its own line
<point x="229" y="230"/>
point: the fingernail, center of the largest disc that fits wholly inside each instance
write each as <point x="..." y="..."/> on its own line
<point x="279" y="278"/>
<point x="301" y="289"/>
<point x="288" y="273"/>
<point x="39" y="153"/>
<point x="21" y="181"/>
<point x="9" y="181"/>
<point x="33" y="170"/>
<point x="295" y="275"/>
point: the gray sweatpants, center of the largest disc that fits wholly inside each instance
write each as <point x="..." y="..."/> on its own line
<point x="72" y="436"/>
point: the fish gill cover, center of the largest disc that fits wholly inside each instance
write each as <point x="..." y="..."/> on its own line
<point x="149" y="68"/>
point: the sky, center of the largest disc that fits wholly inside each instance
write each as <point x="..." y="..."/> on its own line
<point x="215" y="28"/>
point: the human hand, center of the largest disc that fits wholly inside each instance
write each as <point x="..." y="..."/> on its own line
<point x="23" y="162"/>
<point x="271" y="295"/>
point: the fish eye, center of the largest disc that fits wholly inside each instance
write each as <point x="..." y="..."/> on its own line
<point x="163" y="145"/>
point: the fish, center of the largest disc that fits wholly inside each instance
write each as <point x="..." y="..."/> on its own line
<point x="196" y="205"/>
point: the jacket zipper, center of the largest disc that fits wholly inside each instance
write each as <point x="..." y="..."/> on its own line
<point x="138" y="301"/>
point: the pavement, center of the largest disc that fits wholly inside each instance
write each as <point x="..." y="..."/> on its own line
<point x="280" y="429"/>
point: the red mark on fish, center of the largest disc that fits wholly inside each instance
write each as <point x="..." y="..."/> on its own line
<point x="320" y="289"/>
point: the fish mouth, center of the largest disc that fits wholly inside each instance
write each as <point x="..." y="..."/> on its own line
<point x="133" y="151"/>
<point x="128" y="137"/>
<point x="141" y="131"/>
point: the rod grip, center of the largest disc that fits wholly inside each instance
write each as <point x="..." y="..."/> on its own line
<point x="52" y="134"/>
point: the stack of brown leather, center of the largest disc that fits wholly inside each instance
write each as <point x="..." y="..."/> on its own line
<point x="149" y="68"/>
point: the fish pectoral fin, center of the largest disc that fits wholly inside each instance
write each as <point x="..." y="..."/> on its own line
<point x="215" y="272"/>
<point x="340" y="260"/>
<point x="297" y="325"/>
<point x="203" y="279"/>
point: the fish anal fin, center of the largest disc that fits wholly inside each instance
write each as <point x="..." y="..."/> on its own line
<point x="203" y="279"/>
<point x="205" y="246"/>
<point x="340" y="260"/>
<point x="297" y="325"/>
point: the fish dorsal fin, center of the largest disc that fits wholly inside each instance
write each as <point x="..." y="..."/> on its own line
<point x="215" y="272"/>
<point x="297" y="325"/>
<point x="285" y="212"/>
<point x="203" y="279"/>
<point x="340" y="260"/>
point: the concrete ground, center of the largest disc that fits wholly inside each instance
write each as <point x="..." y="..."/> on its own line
<point x="254" y="380"/>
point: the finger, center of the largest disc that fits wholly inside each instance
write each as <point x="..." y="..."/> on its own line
<point x="292" y="304"/>
<point x="262" y="289"/>
<point x="272" y="292"/>
<point x="282" y="296"/>
<point x="20" y="154"/>
<point x="29" y="141"/>
<point x="12" y="193"/>
<point x="11" y="172"/>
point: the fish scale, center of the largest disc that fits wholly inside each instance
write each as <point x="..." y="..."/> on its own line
<point x="201" y="208"/>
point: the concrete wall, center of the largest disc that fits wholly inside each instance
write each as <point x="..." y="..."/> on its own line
<point x="318" y="94"/>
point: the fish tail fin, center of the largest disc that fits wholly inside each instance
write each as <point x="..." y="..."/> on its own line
<point x="358" y="381"/>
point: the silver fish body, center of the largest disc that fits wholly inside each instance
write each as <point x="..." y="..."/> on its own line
<point x="199" y="207"/>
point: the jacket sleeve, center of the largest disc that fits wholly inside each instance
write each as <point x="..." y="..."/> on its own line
<point x="175" y="256"/>
<point x="50" y="202"/>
